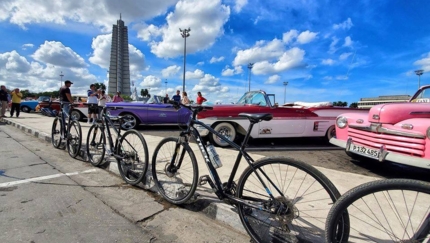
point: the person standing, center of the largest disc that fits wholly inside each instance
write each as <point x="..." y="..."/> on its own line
<point x="92" y="104"/>
<point x="3" y="100"/>
<point x="185" y="99"/>
<point x="166" y="99"/>
<point x="200" y="98"/>
<point x="102" y="101"/>
<point x="16" y="102"/>
<point x="9" y="101"/>
<point x="66" y="96"/>
<point x="117" y="97"/>
<point x="177" y="96"/>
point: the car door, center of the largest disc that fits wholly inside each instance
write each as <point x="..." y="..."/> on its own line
<point x="162" y="114"/>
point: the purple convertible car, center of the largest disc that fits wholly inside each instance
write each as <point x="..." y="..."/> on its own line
<point x="151" y="112"/>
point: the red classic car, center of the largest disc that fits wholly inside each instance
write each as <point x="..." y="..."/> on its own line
<point x="290" y="120"/>
<point x="79" y="113"/>
<point x="397" y="132"/>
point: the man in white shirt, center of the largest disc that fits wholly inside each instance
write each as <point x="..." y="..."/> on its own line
<point x="92" y="104"/>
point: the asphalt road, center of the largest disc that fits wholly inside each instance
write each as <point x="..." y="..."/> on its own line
<point x="315" y="151"/>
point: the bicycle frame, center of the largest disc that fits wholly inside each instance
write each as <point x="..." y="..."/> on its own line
<point x="107" y="123"/>
<point x="63" y="116"/>
<point x="216" y="184"/>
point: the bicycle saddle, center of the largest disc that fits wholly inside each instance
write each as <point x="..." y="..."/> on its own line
<point x="257" y="117"/>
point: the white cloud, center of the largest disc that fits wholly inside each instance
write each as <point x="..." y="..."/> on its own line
<point x="273" y="79"/>
<point x="288" y="37"/>
<point x="345" y="55"/>
<point x="424" y="62"/>
<point x="147" y="32"/>
<point x="210" y="87"/>
<point x="26" y="46"/>
<point x="205" y="18"/>
<point x="55" y="53"/>
<point x="328" y="62"/>
<point x="214" y="59"/>
<point x="289" y="59"/>
<point x="227" y="71"/>
<point x="239" y="5"/>
<point x="306" y="37"/>
<point x="261" y="51"/>
<point x="348" y="41"/>
<point x="150" y="82"/>
<point x="197" y="74"/>
<point x="328" y="78"/>
<point x="200" y="63"/>
<point x="333" y="44"/>
<point x="346" y="25"/>
<point x="342" y="77"/>
<point x="13" y="62"/>
<point x="170" y="71"/>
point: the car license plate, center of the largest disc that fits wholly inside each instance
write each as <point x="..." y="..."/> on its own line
<point x="364" y="151"/>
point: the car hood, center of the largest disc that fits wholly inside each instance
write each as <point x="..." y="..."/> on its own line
<point x="396" y="112"/>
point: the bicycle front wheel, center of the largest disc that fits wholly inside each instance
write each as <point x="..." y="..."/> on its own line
<point x="291" y="207"/>
<point x="56" y="132"/>
<point x="96" y="142"/>
<point x="133" y="153"/>
<point x="392" y="210"/>
<point x="74" y="139"/>
<point x="175" y="177"/>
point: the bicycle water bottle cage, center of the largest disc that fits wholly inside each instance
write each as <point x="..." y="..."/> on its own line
<point x="257" y="117"/>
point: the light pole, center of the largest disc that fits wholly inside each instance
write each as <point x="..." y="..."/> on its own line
<point x="250" y="65"/>
<point x="184" y="33"/>
<point x="285" y="89"/>
<point x="165" y="81"/>
<point x="61" y="78"/>
<point x="419" y="73"/>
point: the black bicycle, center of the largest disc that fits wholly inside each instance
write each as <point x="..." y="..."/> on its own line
<point x="66" y="128"/>
<point x="391" y="210"/>
<point x="278" y="199"/>
<point x="129" y="149"/>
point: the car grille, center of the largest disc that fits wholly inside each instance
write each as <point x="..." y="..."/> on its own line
<point x="411" y="145"/>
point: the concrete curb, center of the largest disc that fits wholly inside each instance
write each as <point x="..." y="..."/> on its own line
<point x="204" y="202"/>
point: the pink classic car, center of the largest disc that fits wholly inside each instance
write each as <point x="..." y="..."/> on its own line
<point x="298" y="119"/>
<point x="396" y="132"/>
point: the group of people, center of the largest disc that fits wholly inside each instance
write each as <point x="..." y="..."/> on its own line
<point x="6" y="98"/>
<point x="184" y="99"/>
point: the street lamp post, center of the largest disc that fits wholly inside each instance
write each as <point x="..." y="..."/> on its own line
<point x="184" y="33"/>
<point x="61" y="78"/>
<point x="285" y="89"/>
<point x="419" y="73"/>
<point x="250" y="65"/>
<point x="165" y="81"/>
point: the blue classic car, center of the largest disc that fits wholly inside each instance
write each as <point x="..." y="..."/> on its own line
<point x="30" y="105"/>
<point x="150" y="112"/>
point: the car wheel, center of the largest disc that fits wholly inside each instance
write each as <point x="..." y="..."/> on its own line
<point x="225" y="129"/>
<point x="331" y="133"/>
<point x="129" y="121"/>
<point x="76" y="115"/>
<point x="25" y="109"/>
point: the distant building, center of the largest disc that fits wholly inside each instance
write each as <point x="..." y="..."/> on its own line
<point x="367" y="103"/>
<point x="119" y="69"/>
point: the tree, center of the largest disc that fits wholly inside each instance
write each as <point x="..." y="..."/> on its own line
<point x="353" y="105"/>
<point x="100" y="86"/>
<point x="145" y="93"/>
<point x="340" y="103"/>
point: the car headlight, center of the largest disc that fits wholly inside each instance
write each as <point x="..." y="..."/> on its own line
<point x="428" y="133"/>
<point x="341" y="122"/>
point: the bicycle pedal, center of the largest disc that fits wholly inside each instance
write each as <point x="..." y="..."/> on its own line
<point x="203" y="180"/>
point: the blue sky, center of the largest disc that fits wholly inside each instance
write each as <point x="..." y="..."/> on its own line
<point x="325" y="50"/>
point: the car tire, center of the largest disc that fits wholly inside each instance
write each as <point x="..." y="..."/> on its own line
<point x="226" y="129"/>
<point x="129" y="121"/>
<point x="25" y="109"/>
<point x="76" y="115"/>
<point x="331" y="133"/>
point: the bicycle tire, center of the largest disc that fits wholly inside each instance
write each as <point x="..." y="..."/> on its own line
<point x="134" y="162"/>
<point x="96" y="145"/>
<point x="179" y="186"/>
<point x="56" y="131"/>
<point x="296" y="215"/>
<point x="383" y="191"/>
<point x="74" y="141"/>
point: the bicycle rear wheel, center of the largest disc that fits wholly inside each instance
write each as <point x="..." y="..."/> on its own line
<point x="96" y="142"/>
<point x="56" y="132"/>
<point x="302" y="198"/>
<point x="74" y="139"/>
<point x="133" y="151"/>
<point x="176" y="182"/>
<point x="392" y="210"/>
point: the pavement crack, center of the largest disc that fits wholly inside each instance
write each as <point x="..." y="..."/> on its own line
<point x="37" y="164"/>
<point x="150" y="218"/>
<point x="40" y="232"/>
<point x="26" y="201"/>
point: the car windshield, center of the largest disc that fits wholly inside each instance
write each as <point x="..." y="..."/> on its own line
<point x="155" y="99"/>
<point x="253" y="98"/>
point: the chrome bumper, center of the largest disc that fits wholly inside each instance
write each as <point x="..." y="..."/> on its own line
<point x="390" y="156"/>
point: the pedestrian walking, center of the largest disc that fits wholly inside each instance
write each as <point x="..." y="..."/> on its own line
<point x="16" y="102"/>
<point x="200" y="98"/>
<point x="66" y="96"/>
<point x="3" y="100"/>
<point x="177" y="96"/>
<point x="92" y="102"/>
<point x="185" y="99"/>
<point x="117" y="97"/>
